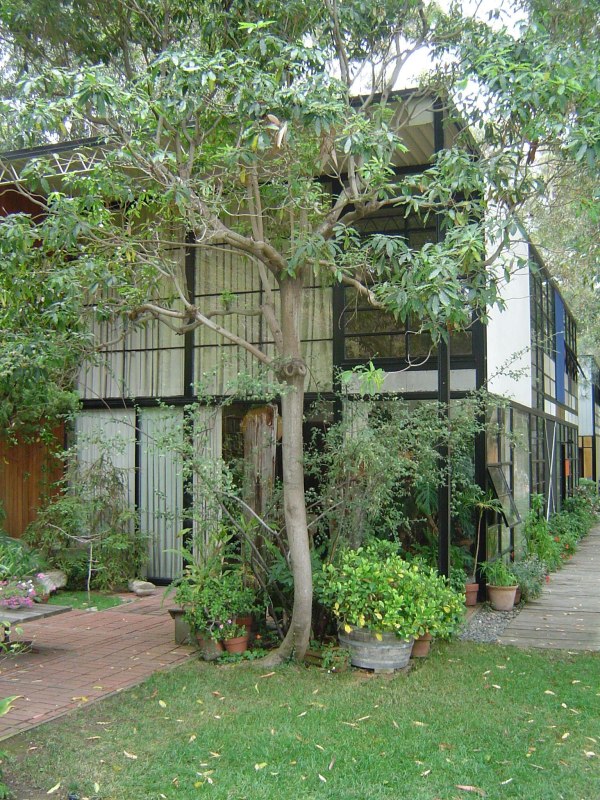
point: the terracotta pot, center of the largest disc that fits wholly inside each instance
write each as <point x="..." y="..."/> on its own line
<point x="471" y="590"/>
<point x="422" y="646"/>
<point x="502" y="598"/>
<point x="246" y="620"/>
<point x="239" y="644"/>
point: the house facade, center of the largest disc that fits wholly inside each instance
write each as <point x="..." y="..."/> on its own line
<point x="589" y="418"/>
<point x="140" y="391"/>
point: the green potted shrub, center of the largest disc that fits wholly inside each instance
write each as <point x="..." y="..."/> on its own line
<point x="501" y="584"/>
<point x="372" y="592"/>
<point x="212" y="604"/>
<point x="484" y="503"/>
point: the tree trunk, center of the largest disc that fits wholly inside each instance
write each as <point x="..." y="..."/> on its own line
<point x="293" y="373"/>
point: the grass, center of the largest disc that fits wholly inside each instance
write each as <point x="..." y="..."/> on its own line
<point x="97" y="600"/>
<point x="505" y="722"/>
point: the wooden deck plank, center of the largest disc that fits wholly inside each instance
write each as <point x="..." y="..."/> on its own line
<point x="567" y="615"/>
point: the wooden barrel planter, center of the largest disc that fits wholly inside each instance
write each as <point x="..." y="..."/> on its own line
<point x="383" y="651"/>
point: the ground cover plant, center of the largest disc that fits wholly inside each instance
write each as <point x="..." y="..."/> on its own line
<point x="472" y="721"/>
<point x="83" y="600"/>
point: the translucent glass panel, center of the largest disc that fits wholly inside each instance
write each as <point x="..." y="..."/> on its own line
<point x="145" y="361"/>
<point x="230" y="287"/>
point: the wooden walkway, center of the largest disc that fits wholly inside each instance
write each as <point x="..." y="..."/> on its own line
<point x="567" y="615"/>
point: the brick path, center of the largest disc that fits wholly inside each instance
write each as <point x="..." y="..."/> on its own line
<point x="567" y="615"/>
<point x="82" y="656"/>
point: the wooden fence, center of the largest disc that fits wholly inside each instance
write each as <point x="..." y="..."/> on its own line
<point x="26" y="472"/>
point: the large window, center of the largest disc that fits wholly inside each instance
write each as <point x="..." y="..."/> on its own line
<point x="543" y="361"/>
<point x="370" y="333"/>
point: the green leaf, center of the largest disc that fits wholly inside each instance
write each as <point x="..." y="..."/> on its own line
<point x="6" y="704"/>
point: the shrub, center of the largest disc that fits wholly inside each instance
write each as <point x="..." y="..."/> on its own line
<point x="497" y="573"/>
<point x="540" y="542"/>
<point x="373" y="587"/>
<point x="211" y="602"/>
<point x="17" y="560"/>
<point x="530" y="574"/>
<point x="557" y="538"/>
<point x="92" y="515"/>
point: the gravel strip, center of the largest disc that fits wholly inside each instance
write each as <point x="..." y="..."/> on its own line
<point x="487" y="625"/>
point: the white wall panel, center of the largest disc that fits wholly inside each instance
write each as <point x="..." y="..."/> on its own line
<point x="509" y="338"/>
<point x="161" y="489"/>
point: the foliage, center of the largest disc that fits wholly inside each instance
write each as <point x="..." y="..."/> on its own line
<point x="566" y="235"/>
<point x="18" y="593"/>
<point x="530" y="574"/>
<point x="440" y="606"/>
<point x="378" y="468"/>
<point x="212" y="602"/>
<point x="537" y="535"/>
<point x="373" y="587"/>
<point x="497" y="573"/>
<point x="230" y="629"/>
<point x="328" y="656"/>
<point x="458" y="579"/>
<point x="90" y="511"/>
<point x="556" y="539"/>
<point x="5" y="707"/>
<point x="586" y="492"/>
<point x="17" y="560"/>
<point x="42" y="302"/>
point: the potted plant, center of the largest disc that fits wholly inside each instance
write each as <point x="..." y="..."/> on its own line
<point x="501" y="584"/>
<point x="16" y="593"/>
<point x="372" y="593"/>
<point x="212" y="604"/>
<point x="235" y="636"/>
<point x="485" y="502"/>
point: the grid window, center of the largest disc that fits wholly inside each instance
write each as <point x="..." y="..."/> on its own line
<point x="370" y="333"/>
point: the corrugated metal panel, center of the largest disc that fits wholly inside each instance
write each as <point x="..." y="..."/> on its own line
<point x="209" y="441"/>
<point x="110" y="433"/>
<point x="161" y="489"/>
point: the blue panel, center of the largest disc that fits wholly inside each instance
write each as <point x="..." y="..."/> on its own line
<point x="559" y="322"/>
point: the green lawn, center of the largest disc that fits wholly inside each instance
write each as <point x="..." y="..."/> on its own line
<point x="97" y="600"/>
<point x="507" y="723"/>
